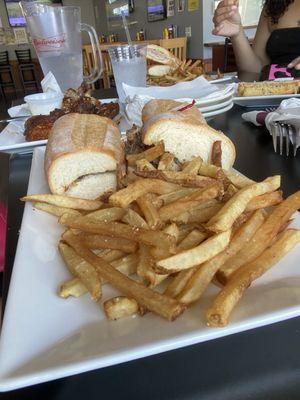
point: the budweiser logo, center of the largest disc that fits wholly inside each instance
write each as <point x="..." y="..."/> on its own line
<point x="50" y="43"/>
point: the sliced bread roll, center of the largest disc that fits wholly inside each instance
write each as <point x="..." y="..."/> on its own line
<point x="159" y="70"/>
<point x="82" y="155"/>
<point x="161" y="55"/>
<point x="185" y="135"/>
<point x="159" y="106"/>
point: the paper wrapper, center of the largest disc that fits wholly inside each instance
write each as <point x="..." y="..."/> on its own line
<point x="194" y="89"/>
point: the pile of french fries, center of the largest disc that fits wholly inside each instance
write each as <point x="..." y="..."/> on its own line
<point x="186" y="71"/>
<point x="170" y="232"/>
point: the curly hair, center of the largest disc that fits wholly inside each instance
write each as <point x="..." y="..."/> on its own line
<point x="274" y="9"/>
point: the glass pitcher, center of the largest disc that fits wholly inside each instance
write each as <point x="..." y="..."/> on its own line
<point x="56" y="36"/>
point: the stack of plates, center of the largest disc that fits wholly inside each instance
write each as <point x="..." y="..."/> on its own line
<point x="216" y="105"/>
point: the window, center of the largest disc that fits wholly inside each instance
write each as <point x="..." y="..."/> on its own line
<point x="250" y="11"/>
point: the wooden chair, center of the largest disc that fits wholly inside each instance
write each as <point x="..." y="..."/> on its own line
<point x="229" y="57"/>
<point x="88" y="63"/>
<point x="176" y="46"/>
<point x="27" y="71"/>
<point x="107" y="73"/>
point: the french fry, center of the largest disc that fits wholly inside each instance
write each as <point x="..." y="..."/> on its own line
<point x="189" y="202"/>
<point x="159" y="252"/>
<point x="153" y="301"/>
<point x="145" y="268"/>
<point x="120" y="307"/>
<point x="150" y="212"/>
<point x="230" y="192"/>
<point x="185" y="229"/>
<point x="204" y="273"/>
<point x="149" y="154"/>
<point x="107" y="242"/>
<point x="237" y="180"/>
<point x="126" y="196"/>
<point x="134" y="219"/>
<point x="265" y="200"/>
<point x="117" y="229"/>
<point x="131" y="177"/>
<point x="216" y="154"/>
<point x="199" y="215"/>
<point x="178" y="194"/>
<point x="195" y="256"/>
<point x="240" y="181"/>
<point x="172" y="230"/>
<point x="55" y="210"/>
<point x="110" y="255"/>
<point x="72" y="288"/>
<point x="192" y="167"/>
<point x="64" y="201"/>
<point x="223" y="305"/>
<point x="179" y="177"/>
<point x="82" y="270"/>
<point x="263" y="237"/>
<point x="193" y="239"/>
<point x="107" y="214"/>
<point x="225" y="218"/>
<point x="144" y="165"/>
<point x="166" y="161"/>
<point x="127" y="264"/>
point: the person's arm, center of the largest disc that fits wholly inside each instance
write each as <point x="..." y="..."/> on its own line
<point x="227" y="22"/>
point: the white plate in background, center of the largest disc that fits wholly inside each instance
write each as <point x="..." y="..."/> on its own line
<point x="262" y="101"/>
<point x="29" y="146"/>
<point x="45" y="337"/>
<point x="218" y="111"/>
<point x="217" y="106"/>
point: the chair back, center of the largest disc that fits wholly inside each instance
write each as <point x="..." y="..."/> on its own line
<point x="229" y="57"/>
<point x="88" y="62"/>
<point x="23" y="56"/>
<point x="176" y="46"/>
<point x="107" y="69"/>
<point x="4" y="59"/>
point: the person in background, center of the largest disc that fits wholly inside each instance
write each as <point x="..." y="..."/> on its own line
<point x="277" y="40"/>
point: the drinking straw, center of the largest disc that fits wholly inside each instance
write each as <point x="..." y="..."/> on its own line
<point x="127" y="34"/>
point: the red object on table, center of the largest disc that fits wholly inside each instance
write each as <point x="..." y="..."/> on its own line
<point x="3" y="217"/>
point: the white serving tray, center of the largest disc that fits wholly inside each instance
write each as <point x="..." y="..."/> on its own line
<point x="45" y="337"/>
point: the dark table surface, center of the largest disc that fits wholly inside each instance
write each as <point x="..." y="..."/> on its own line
<point x="258" y="364"/>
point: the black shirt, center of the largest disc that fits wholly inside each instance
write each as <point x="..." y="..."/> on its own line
<point x="283" y="45"/>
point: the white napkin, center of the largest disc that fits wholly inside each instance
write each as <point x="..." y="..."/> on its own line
<point x="288" y="112"/>
<point x="288" y="109"/>
<point x="134" y="107"/>
<point x="49" y="84"/>
<point x="13" y="133"/>
<point x="195" y="89"/>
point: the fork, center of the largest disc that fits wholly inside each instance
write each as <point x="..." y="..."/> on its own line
<point x="270" y="109"/>
<point x="286" y="132"/>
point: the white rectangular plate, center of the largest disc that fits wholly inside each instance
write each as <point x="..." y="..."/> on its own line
<point x="45" y="337"/>
<point x="262" y="101"/>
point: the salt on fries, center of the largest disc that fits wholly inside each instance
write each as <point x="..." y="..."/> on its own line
<point x="188" y="225"/>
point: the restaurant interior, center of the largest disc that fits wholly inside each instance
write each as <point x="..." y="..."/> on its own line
<point x="149" y="199"/>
